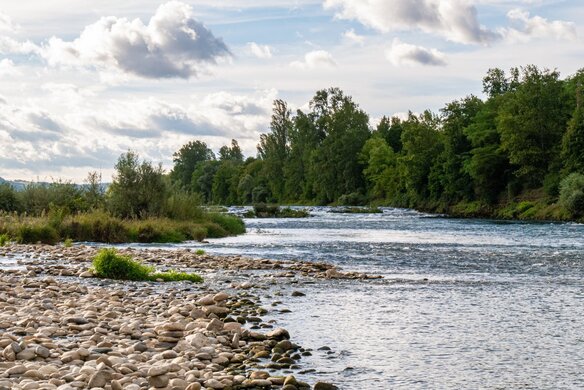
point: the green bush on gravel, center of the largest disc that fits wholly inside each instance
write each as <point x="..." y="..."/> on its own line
<point x="111" y="265"/>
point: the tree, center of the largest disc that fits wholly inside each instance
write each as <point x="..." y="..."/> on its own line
<point x="531" y="123"/>
<point x="94" y="191"/>
<point x="274" y="148"/>
<point x="453" y="181"/>
<point x="421" y="146"/>
<point x="572" y="194"/>
<point x="186" y="159"/>
<point x="203" y="177"/>
<point x="305" y="139"/>
<point x="380" y="168"/>
<point x="232" y="153"/>
<point x="138" y="189"/>
<point x="225" y="183"/>
<point x="488" y="165"/>
<point x="390" y="130"/>
<point x="335" y="165"/>
<point x="573" y="141"/>
<point x="8" y="199"/>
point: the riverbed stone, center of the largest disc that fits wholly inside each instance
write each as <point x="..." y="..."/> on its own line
<point x="79" y="332"/>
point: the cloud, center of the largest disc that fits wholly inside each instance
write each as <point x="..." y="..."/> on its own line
<point x="260" y="51"/>
<point x="7" y="68"/>
<point x="6" y="24"/>
<point x="538" y="27"/>
<point x="456" y="20"/>
<point x="352" y="37"/>
<point x="315" y="59"/>
<point x="406" y="54"/>
<point x="90" y="134"/>
<point x="172" y="45"/>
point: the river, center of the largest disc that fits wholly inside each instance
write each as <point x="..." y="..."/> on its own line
<point x="463" y="303"/>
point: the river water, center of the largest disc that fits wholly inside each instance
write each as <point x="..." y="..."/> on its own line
<point x="464" y="304"/>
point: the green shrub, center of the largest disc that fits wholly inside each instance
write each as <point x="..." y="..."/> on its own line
<point x="199" y="252"/>
<point x="111" y="265"/>
<point x="96" y="226"/>
<point x="215" y="231"/>
<point x="184" y="206"/>
<point x="32" y="234"/>
<point x="4" y="239"/>
<point x="199" y="233"/>
<point x="230" y="223"/>
<point x="572" y="194"/>
<point x="68" y="243"/>
<point x="522" y="207"/>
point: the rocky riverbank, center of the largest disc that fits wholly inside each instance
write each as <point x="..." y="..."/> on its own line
<point x="60" y="328"/>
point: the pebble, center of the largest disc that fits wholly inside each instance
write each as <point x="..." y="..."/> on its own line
<point x="62" y="329"/>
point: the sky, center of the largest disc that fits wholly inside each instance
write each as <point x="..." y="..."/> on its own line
<point x="83" y="81"/>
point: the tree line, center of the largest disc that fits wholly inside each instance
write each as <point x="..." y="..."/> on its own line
<point x="523" y="141"/>
<point x="520" y="149"/>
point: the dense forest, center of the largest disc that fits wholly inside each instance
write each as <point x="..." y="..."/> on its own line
<point x="519" y="153"/>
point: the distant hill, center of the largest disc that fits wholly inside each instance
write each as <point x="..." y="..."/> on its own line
<point x="18" y="185"/>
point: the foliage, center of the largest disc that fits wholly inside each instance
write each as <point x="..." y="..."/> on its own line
<point x="262" y="210"/>
<point x="8" y="198"/>
<point x="99" y="226"/>
<point x="572" y="194"/>
<point x="175" y="276"/>
<point x="230" y="223"/>
<point x="36" y="233"/>
<point x="531" y="121"/>
<point x="182" y="205"/>
<point x="186" y="160"/>
<point x="68" y="243"/>
<point x="573" y="141"/>
<point x="111" y="265"/>
<point x="200" y="252"/>
<point x="4" y="239"/>
<point x="39" y="198"/>
<point x="138" y="189"/>
<point x="474" y="157"/>
<point x="94" y="193"/>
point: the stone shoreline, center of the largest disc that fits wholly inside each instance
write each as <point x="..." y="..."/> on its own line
<point x="60" y="328"/>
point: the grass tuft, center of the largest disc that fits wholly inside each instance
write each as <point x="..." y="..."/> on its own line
<point x="111" y="265"/>
<point x="4" y="239"/>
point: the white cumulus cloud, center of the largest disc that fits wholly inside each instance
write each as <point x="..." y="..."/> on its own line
<point x="7" y="68"/>
<point x="456" y="20"/>
<point x="260" y="51"/>
<point x="315" y="59"/>
<point x="352" y="37"/>
<point x="401" y="53"/>
<point x="538" y="27"/>
<point x="172" y="44"/>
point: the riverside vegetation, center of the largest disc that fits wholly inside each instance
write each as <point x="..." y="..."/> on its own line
<point x="517" y="153"/>
<point x="141" y="205"/>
